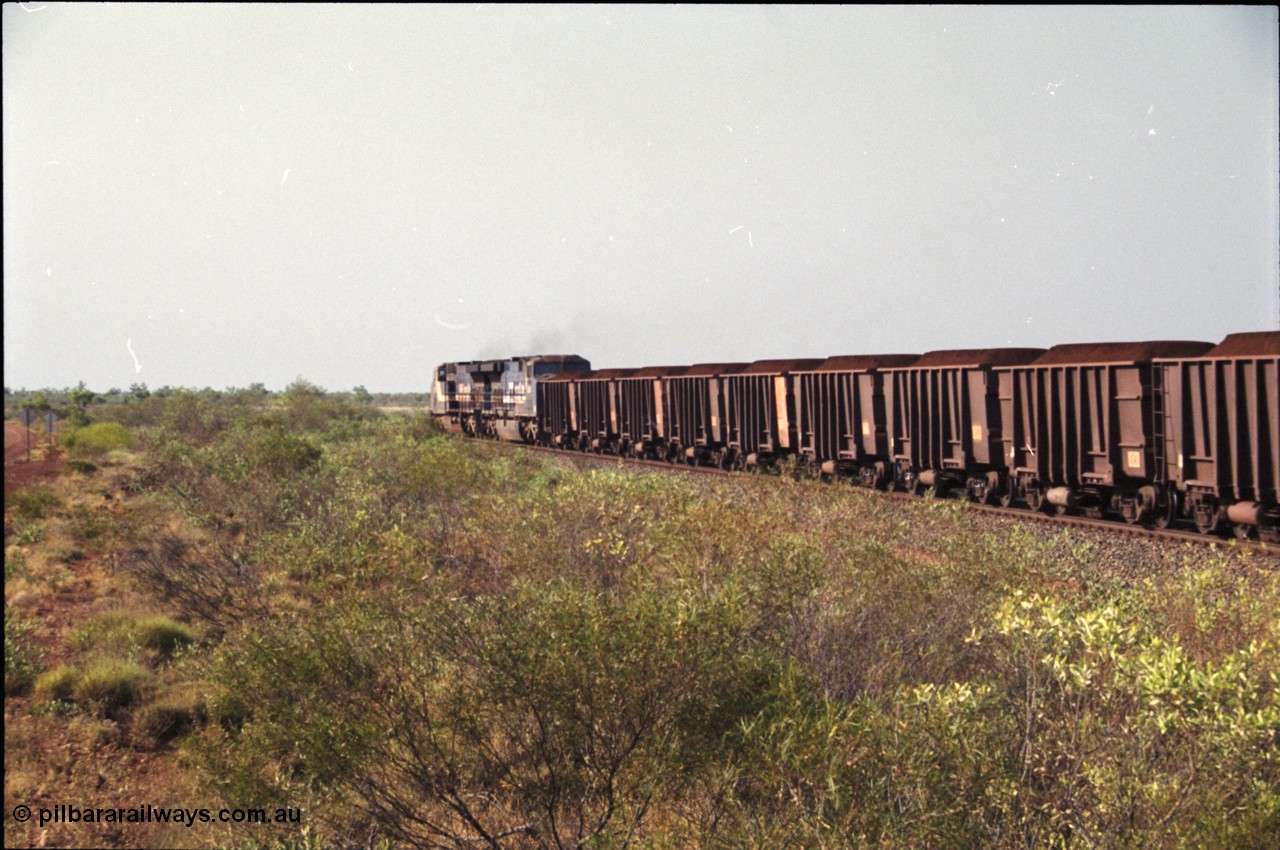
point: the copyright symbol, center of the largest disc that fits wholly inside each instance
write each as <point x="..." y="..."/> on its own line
<point x="22" y="813"/>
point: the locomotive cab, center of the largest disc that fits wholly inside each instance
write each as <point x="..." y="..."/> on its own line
<point x="496" y="399"/>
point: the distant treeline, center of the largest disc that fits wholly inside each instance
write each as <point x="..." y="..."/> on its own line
<point x="70" y="401"/>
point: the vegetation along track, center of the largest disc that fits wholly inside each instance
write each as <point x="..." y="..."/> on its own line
<point x="1268" y="550"/>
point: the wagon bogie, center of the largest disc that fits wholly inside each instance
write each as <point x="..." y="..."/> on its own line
<point x="985" y="489"/>
<point x="874" y="476"/>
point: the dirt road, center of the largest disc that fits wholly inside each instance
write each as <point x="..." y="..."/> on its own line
<point x="17" y="470"/>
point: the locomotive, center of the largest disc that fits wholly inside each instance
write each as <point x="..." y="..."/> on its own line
<point x="1150" y="432"/>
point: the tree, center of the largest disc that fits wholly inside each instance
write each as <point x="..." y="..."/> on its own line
<point x="551" y="717"/>
<point x="82" y="397"/>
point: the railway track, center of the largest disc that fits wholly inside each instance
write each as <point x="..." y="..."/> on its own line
<point x="1264" y="547"/>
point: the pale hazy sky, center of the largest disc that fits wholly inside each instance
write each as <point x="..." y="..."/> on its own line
<point x="216" y="195"/>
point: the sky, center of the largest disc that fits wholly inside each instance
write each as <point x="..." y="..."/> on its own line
<point x="217" y="195"/>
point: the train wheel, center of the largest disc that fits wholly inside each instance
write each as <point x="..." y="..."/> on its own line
<point x="1006" y="497"/>
<point x="1035" y="497"/>
<point x="985" y="490"/>
<point x="1207" y="524"/>
<point x="1207" y="515"/>
<point x="1243" y="532"/>
<point x="1166" y="511"/>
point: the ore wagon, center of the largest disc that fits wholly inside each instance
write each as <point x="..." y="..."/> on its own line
<point x="944" y="420"/>
<point x="1217" y="430"/>
<point x="1081" y="423"/>
<point x="760" y="413"/>
<point x="643" y="412"/>
<point x="696" y="405"/>
<point x="840" y="415"/>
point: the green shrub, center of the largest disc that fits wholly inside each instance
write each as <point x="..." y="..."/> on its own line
<point x="32" y="502"/>
<point x="110" y="684"/>
<point x="20" y="667"/>
<point x="27" y="533"/>
<point x="97" y="439"/>
<point x="57" y="684"/>
<point x="262" y="455"/>
<point x="551" y="704"/>
<point x="282" y="453"/>
<point x="15" y="564"/>
<point x="123" y="630"/>
<point x="175" y="711"/>
<point x="162" y="635"/>
<point x="83" y="467"/>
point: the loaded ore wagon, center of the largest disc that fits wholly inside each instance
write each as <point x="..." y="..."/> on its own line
<point x="840" y="416"/>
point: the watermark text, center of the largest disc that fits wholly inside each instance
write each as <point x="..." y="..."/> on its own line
<point x="180" y="815"/>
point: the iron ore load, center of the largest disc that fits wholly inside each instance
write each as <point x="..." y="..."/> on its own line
<point x="1149" y="432"/>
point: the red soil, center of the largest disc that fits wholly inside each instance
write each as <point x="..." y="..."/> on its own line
<point x="18" y="471"/>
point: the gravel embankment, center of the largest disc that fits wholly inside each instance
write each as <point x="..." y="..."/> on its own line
<point x="1080" y="554"/>
<point x="1120" y="555"/>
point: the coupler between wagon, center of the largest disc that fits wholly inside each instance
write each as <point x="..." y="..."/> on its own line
<point x="697" y="456"/>
<point x="942" y="481"/>
<point x="1249" y="519"/>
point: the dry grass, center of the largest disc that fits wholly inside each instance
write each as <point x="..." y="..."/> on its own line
<point x="89" y="732"/>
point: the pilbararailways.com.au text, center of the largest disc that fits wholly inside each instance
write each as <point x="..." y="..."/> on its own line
<point x="59" y="814"/>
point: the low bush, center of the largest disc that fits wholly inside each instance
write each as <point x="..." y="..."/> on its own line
<point x="32" y="502"/>
<point x="111" y="684"/>
<point x="97" y="439"/>
<point x="175" y="711"/>
<point x="57" y="684"/>
<point x="212" y="587"/>
<point x="550" y="711"/>
<point x="20" y="665"/>
<point x="123" y="630"/>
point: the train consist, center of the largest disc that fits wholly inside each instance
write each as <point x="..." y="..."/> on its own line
<point x="1151" y="432"/>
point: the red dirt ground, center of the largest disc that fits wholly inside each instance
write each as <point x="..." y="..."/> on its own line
<point x="18" y="471"/>
<point x="58" y="759"/>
